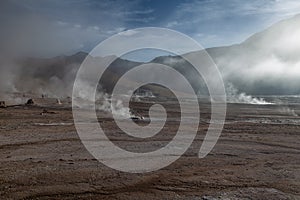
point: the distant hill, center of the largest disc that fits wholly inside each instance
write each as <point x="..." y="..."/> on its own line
<point x="266" y="63"/>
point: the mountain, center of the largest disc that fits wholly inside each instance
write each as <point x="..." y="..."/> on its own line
<point x="266" y="63"/>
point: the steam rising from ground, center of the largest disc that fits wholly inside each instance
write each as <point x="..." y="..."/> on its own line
<point x="233" y="96"/>
<point x="102" y="101"/>
<point x="266" y="63"/>
<point x="109" y="105"/>
<point x="288" y="111"/>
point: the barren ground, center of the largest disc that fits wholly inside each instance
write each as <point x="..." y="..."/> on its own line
<point x="256" y="157"/>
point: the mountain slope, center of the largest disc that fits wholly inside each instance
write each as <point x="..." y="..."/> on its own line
<point x="266" y="63"/>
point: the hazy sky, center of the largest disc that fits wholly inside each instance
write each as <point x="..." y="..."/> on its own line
<point x="72" y="25"/>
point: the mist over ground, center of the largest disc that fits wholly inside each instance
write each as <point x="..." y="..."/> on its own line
<point x="267" y="63"/>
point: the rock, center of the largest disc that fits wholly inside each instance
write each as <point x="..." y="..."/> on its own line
<point x="45" y="111"/>
<point x="44" y="101"/>
<point x="135" y="118"/>
<point x="30" y="102"/>
<point x="2" y="104"/>
<point x="58" y="101"/>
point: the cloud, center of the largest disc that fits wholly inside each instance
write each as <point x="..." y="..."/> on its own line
<point x="64" y="27"/>
<point x="61" y="23"/>
<point x="128" y="33"/>
<point x="218" y="8"/>
<point x="231" y="21"/>
<point x="172" y="24"/>
<point x="91" y="20"/>
<point x="266" y="63"/>
<point x="140" y="12"/>
<point x="77" y="25"/>
<point x="141" y="20"/>
<point x="96" y="28"/>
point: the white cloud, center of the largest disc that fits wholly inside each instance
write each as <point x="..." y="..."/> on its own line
<point x="96" y="28"/>
<point x="172" y="24"/>
<point x="229" y="22"/>
<point x="77" y="26"/>
<point x="141" y="12"/>
<point x="128" y="33"/>
<point x="61" y="23"/>
<point x="55" y="29"/>
<point x="217" y="8"/>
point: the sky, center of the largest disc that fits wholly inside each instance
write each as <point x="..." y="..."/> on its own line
<point x="54" y="27"/>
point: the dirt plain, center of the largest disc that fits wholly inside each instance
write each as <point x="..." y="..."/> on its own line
<point x="256" y="157"/>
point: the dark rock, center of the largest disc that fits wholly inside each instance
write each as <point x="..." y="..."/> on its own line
<point x="30" y="102"/>
<point x="2" y="104"/>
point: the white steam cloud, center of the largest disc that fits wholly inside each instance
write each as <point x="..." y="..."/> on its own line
<point x="233" y="96"/>
<point x="266" y="63"/>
